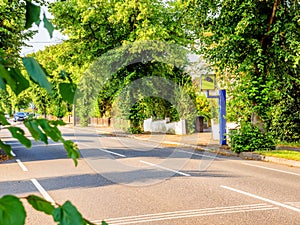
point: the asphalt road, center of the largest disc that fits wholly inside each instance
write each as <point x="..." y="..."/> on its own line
<point x="127" y="181"/>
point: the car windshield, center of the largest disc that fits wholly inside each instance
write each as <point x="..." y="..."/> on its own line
<point x="20" y="114"/>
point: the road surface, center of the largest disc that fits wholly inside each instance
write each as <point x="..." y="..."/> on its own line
<point x="126" y="181"/>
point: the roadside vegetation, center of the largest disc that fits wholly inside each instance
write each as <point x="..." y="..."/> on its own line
<point x="253" y="46"/>
<point x="289" y="144"/>
<point x="285" y="154"/>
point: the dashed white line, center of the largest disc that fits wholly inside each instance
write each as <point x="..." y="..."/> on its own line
<point x="165" y="168"/>
<point x="104" y="150"/>
<point x="202" y="155"/>
<point x="42" y="190"/>
<point x="187" y="213"/>
<point x="267" y="168"/>
<point x="23" y="167"/>
<point x="262" y="198"/>
<point x="114" y="153"/>
<point x="34" y="181"/>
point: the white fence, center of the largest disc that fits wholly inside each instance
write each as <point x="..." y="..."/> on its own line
<point x="162" y="126"/>
<point x="215" y="127"/>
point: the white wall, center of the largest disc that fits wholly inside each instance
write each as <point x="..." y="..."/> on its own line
<point x="161" y="126"/>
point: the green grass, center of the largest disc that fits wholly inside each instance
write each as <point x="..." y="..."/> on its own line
<point x="206" y="85"/>
<point x="286" y="154"/>
<point x="294" y="144"/>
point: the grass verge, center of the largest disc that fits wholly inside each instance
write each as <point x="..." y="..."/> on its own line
<point x="294" y="144"/>
<point x="286" y="154"/>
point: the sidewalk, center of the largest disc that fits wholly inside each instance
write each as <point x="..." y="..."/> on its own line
<point x="198" y="141"/>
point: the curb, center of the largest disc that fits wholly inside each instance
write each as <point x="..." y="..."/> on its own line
<point x="218" y="150"/>
<point x="257" y="157"/>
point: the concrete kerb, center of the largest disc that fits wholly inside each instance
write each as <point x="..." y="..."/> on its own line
<point x="215" y="149"/>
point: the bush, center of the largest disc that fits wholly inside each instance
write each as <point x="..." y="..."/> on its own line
<point x="249" y="138"/>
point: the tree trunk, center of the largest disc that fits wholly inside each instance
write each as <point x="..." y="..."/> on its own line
<point x="257" y="121"/>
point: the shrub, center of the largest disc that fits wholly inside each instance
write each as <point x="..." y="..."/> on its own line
<point x="249" y="138"/>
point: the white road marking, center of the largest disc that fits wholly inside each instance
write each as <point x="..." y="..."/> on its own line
<point x="114" y="153"/>
<point x="296" y="204"/>
<point x="14" y="143"/>
<point x="23" y="167"/>
<point x="40" y="145"/>
<point x="194" y="153"/>
<point x="165" y="168"/>
<point x="262" y="198"/>
<point x="187" y="213"/>
<point x="42" y="190"/>
<point x="104" y="150"/>
<point x="12" y="153"/>
<point x="267" y="168"/>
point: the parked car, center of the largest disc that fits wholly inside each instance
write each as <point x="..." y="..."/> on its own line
<point x="19" y="116"/>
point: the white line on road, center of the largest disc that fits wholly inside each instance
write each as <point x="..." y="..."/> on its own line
<point x="296" y="204"/>
<point x="114" y="153"/>
<point x="202" y="155"/>
<point x="165" y="168"/>
<point x="104" y="150"/>
<point x="42" y="190"/>
<point x="23" y="167"/>
<point x="14" y="143"/>
<point x="267" y="168"/>
<point x="187" y="213"/>
<point x="12" y="153"/>
<point x="40" y="145"/>
<point x="261" y="198"/>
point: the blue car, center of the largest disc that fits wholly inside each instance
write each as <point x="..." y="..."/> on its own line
<point x="19" y="116"/>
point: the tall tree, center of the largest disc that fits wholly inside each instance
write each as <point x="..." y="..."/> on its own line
<point x="15" y="18"/>
<point x="255" y="45"/>
<point x="95" y="27"/>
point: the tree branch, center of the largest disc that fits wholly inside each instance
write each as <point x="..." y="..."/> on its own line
<point x="276" y="3"/>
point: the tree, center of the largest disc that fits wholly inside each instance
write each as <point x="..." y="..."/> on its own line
<point x="255" y="45"/>
<point x="96" y="27"/>
<point x="16" y="17"/>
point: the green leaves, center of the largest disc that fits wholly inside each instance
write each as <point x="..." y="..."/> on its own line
<point x="3" y="120"/>
<point x="21" y="82"/>
<point x="48" y="26"/>
<point x="12" y="211"/>
<point x="32" y="14"/>
<point x="36" y="132"/>
<point x="49" y="129"/>
<point x="19" y="134"/>
<point x="40" y="204"/>
<point x="36" y="72"/>
<point x="41" y="129"/>
<point x="5" y="147"/>
<point x="67" y="91"/>
<point x="250" y="138"/>
<point x="72" y="150"/>
<point x="13" y="78"/>
<point x="67" y="214"/>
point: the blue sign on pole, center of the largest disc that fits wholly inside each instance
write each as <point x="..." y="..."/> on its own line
<point x="222" y="114"/>
<point x="222" y="117"/>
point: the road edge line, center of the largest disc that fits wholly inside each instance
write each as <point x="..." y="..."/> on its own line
<point x="261" y="198"/>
